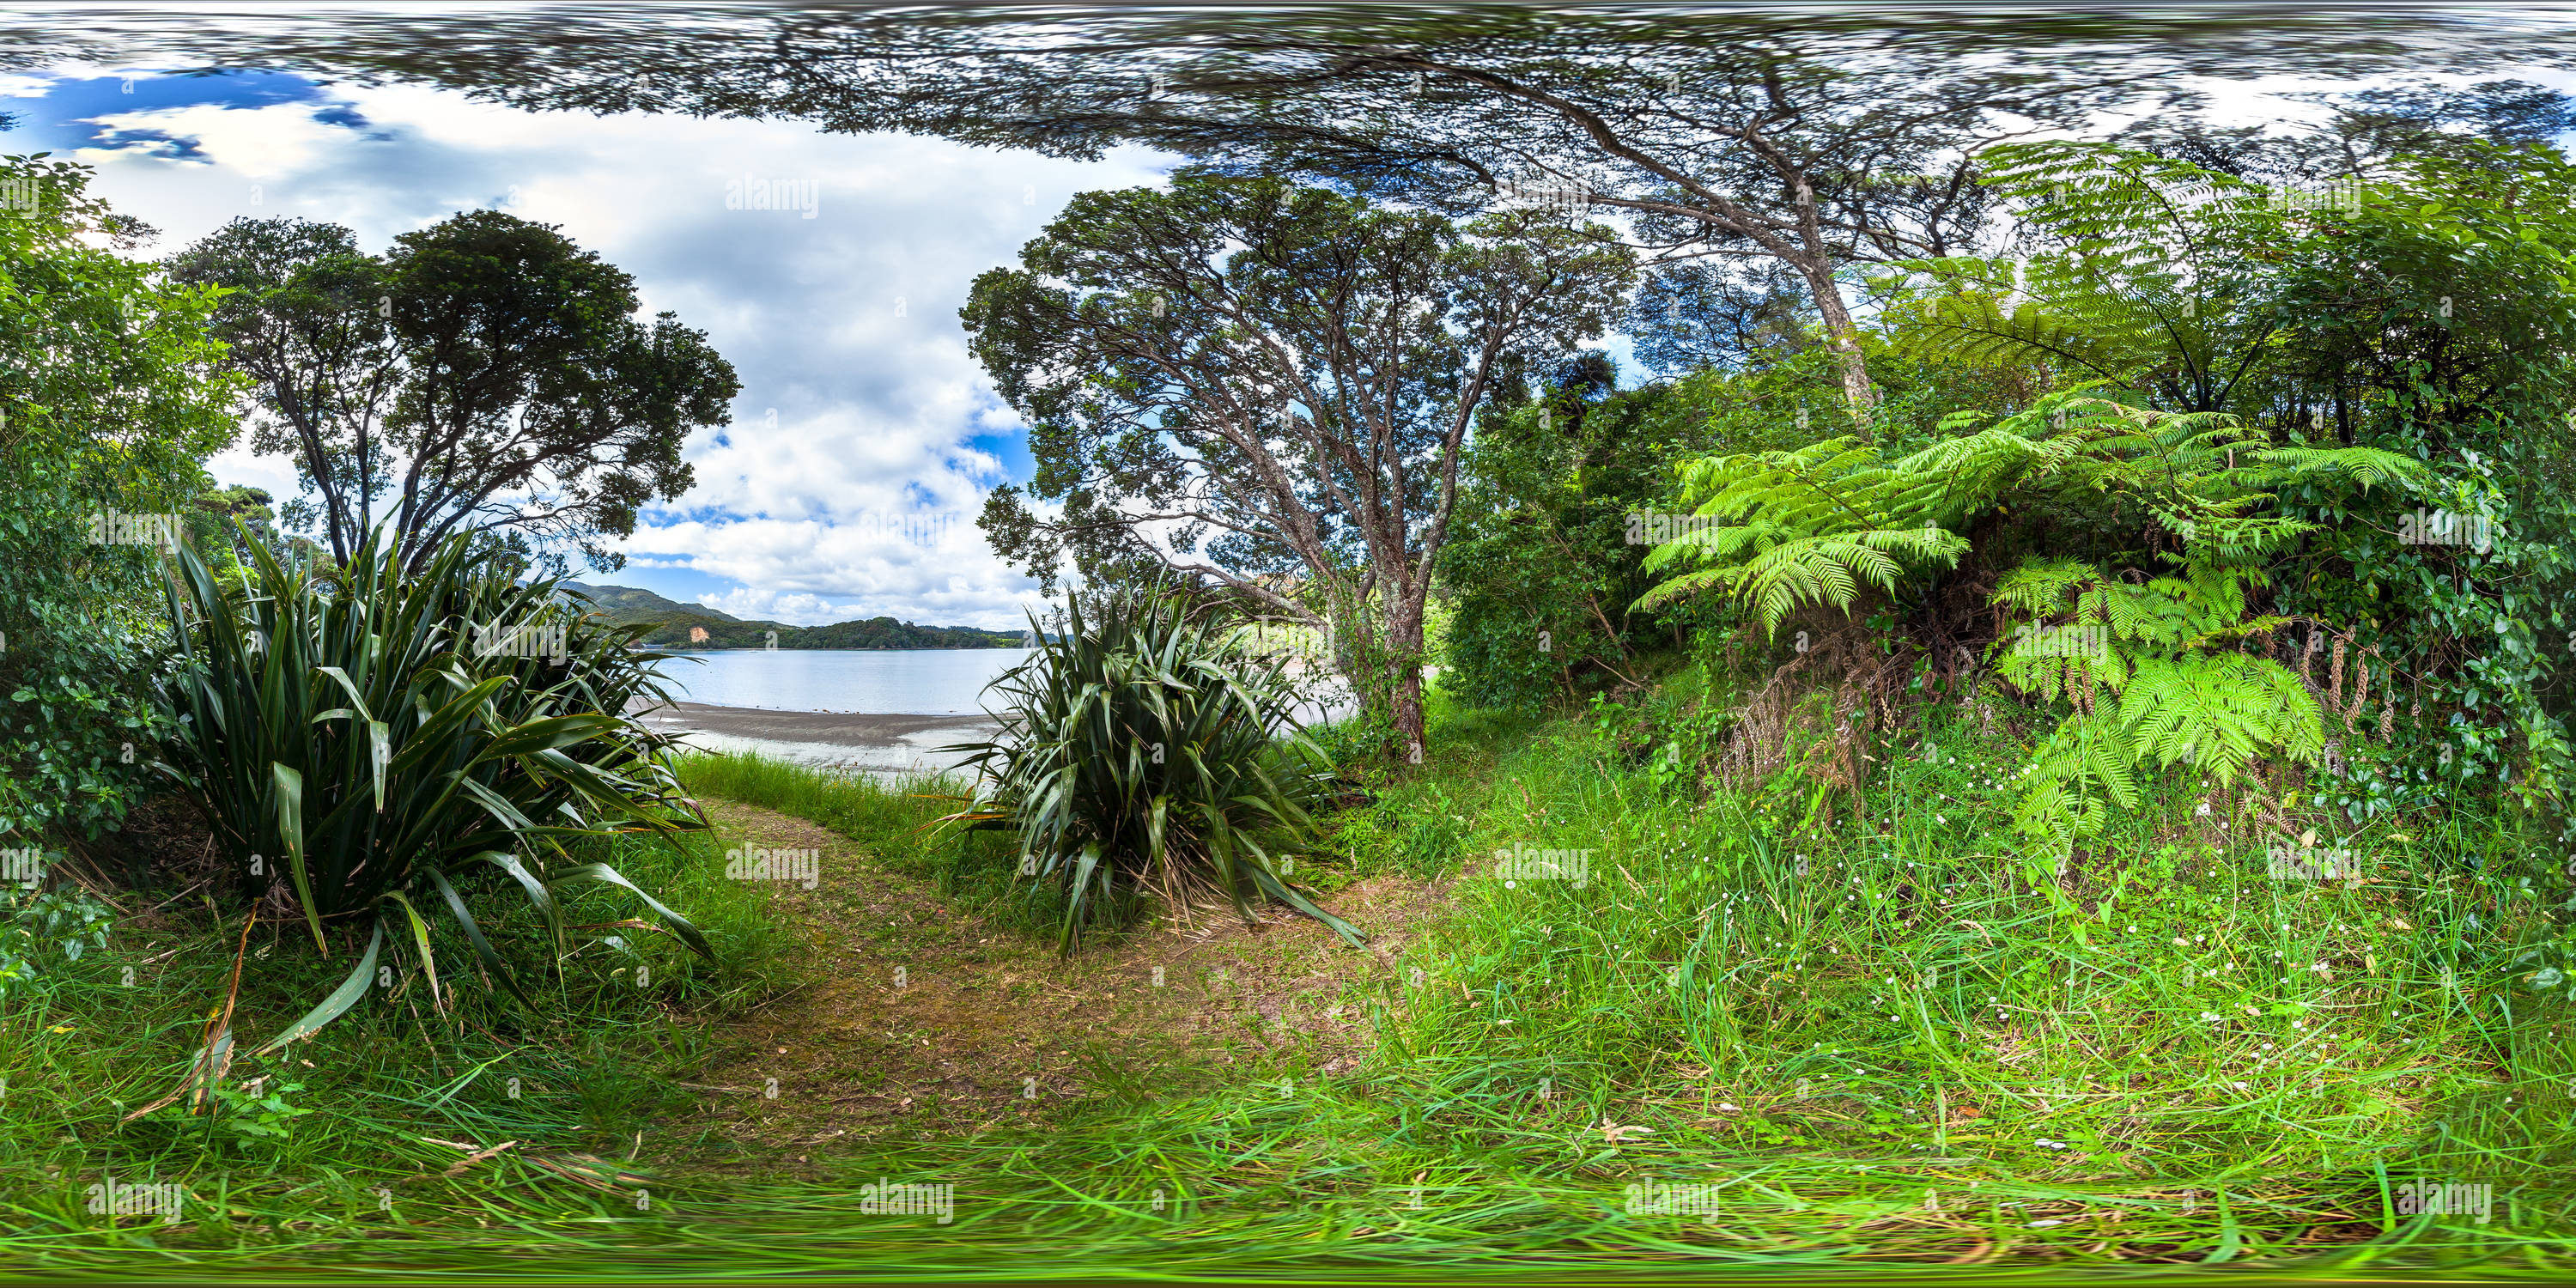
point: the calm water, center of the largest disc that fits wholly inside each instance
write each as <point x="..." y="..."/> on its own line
<point x="926" y="682"/>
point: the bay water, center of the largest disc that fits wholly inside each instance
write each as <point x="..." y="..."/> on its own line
<point x="927" y="682"/>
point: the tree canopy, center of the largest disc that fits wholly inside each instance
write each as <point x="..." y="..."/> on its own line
<point x="1242" y="378"/>
<point x="485" y="376"/>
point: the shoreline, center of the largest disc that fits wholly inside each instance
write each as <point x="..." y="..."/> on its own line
<point x="692" y="650"/>
<point x="877" y="743"/>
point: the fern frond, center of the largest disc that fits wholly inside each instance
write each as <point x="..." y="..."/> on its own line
<point x="2219" y="710"/>
<point x="1724" y="544"/>
<point x="2078" y="776"/>
<point x="2368" y="466"/>
<point x="1975" y="329"/>
<point x="1830" y="569"/>
<point x="1685" y="586"/>
<point x="2039" y="587"/>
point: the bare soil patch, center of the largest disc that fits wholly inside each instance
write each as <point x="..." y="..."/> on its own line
<point x="914" y="1018"/>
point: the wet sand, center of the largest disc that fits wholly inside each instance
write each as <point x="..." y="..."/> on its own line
<point x="891" y="745"/>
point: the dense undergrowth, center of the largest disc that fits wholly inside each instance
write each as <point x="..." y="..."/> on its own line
<point x="1687" y="1024"/>
<point x="340" y="1132"/>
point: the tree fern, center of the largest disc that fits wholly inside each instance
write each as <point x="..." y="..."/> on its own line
<point x="2149" y="663"/>
<point x="2134" y="269"/>
<point x="2080" y="774"/>
<point x="2217" y="711"/>
<point x="1823" y="569"/>
<point x="2042" y="586"/>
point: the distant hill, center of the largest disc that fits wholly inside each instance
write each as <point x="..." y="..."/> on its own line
<point x="625" y="603"/>
<point x="672" y="623"/>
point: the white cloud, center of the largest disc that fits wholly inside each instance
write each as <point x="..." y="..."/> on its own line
<point x="796" y="610"/>
<point x="844" y="325"/>
<point x="257" y="143"/>
<point x="929" y="567"/>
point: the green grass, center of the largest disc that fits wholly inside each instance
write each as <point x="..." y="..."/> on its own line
<point x="1810" y="1044"/>
<point x="895" y="823"/>
<point x="891" y="818"/>
<point x="93" y="1039"/>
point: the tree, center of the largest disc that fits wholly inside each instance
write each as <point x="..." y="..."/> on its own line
<point x="487" y="376"/>
<point x="308" y="317"/>
<point x="1540" y="573"/>
<point x="2153" y="667"/>
<point x="1696" y="315"/>
<point x="2365" y="133"/>
<point x="2427" y="319"/>
<point x="1240" y="377"/>
<point x="2129" y="268"/>
<point x="109" y="396"/>
<point x="1815" y="140"/>
<point x="1812" y="153"/>
<point x="2437" y="320"/>
<point x="224" y="520"/>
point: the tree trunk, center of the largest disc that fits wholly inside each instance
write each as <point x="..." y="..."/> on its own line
<point x="1404" y="640"/>
<point x="1844" y="335"/>
<point x="1380" y="655"/>
<point x="1408" y="713"/>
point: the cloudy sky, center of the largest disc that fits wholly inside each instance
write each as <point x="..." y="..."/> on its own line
<point x="865" y="435"/>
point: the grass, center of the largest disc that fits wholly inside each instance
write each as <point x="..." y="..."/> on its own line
<point x="893" y="822"/>
<point x="97" y="1038"/>
<point x="1884" y="1041"/>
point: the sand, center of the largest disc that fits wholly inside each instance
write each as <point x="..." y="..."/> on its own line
<point x="890" y="745"/>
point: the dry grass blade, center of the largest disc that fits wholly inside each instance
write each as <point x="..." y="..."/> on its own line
<point x="215" y="1057"/>
<point x="478" y="1156"/>
<point x="589" y="1169"/>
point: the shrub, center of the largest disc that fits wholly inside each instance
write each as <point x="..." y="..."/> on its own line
<point x="2165" y="676"/>
<point x="1144" y="752"/>
<point x="379" y="738"/>
<point x="57" y="925"/>
<point x="108" y="398"/>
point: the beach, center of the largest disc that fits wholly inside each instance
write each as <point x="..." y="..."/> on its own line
<point x="890" y="745"/>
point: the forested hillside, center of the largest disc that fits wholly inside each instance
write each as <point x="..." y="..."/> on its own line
<point x="673" y="622"/>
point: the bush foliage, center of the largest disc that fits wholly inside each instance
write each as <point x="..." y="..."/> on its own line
<point x="379" y="741"/>
<point x="1147" y="752"/>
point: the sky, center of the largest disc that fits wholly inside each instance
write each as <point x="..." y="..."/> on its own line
<point x="865" y="435"/>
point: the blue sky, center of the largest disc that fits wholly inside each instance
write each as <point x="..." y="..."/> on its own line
<point x="865" y="436"/>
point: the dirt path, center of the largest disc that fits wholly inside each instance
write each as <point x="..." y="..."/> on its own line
<point x="916" y="1019"/>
